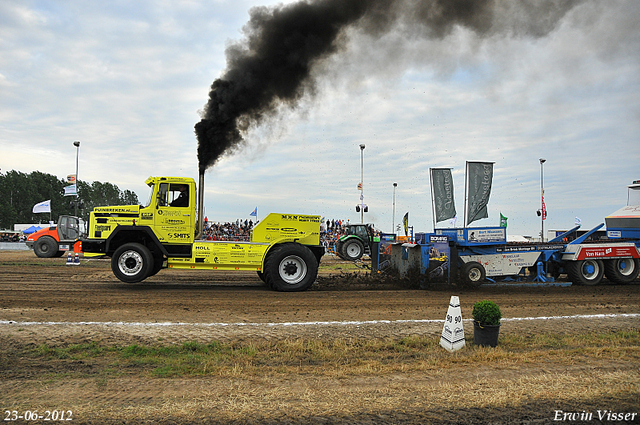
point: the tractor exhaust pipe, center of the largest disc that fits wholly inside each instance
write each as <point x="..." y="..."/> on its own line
<point x="200" y="227"/>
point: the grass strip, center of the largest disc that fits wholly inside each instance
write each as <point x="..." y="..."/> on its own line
<point x="333" y="358"/>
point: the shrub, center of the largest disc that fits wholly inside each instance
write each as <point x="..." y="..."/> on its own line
<point x="487" y="313"/>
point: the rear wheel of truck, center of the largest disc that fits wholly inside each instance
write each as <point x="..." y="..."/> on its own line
<point x="291" y="267"/>
<point x="473" y="274"/>
<point x="585" y="272"/>
<point x="622" y="270"/>
<point x="45" y="247"/>
<point x="353" y="249"/>
<point x="132" y="262"/>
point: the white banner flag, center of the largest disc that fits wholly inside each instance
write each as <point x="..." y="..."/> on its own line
<point x="42" y="207"/>
<point x="70" y="190"/>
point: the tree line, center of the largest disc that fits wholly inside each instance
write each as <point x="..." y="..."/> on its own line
<point x="19" y="192"/>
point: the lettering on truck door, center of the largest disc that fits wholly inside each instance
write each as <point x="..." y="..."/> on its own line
<point x="173" y="222"/>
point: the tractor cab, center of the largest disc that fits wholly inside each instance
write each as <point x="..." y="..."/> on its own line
<point x="356" y="242"/>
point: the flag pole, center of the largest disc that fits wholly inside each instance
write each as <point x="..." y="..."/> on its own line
<point x="466" y="193"/>
<point x="433" y="201"/>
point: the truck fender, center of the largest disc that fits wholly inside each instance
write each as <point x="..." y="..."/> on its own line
<point x="127" y="234"/>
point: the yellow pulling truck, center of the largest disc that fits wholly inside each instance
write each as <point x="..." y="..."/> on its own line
<point x="284" y="249"/>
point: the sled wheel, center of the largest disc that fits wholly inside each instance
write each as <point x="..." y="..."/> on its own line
<point x="585" y="272"/>
<point x="291" y="267"/>
<point x="132" y="262"/>
<point x="45" y="247"/>
<point x="473" y="274"/>
<point x="622" y="270"/>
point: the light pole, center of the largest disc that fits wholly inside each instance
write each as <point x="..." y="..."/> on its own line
<point x="362" y="183"/>
<point x="542" y="207"/>
<point x="393" y="211"/>
<point x="77" y="145"/>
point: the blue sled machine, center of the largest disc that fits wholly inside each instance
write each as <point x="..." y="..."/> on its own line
<point x="476" y="255"/>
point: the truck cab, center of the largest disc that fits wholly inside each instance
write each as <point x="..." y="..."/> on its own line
<point x="162" y="221"/>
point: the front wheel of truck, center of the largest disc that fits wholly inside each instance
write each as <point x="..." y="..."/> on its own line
<point x="291" y="267"/>
<point x="132" y="262"/>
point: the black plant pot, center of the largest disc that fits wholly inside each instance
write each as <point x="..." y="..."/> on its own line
<point x="485" y="335"/>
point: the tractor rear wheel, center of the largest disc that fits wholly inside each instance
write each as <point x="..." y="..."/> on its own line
<point x="353" y="249"/>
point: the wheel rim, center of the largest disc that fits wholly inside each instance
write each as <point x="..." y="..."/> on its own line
<point x="353" y="250"/>
<point x="625" y="267"/>
<point x="292" y="269"/>
<point x="130" y="263"/>
<point x="590" y="270"/>
<point x="474" y="275"/>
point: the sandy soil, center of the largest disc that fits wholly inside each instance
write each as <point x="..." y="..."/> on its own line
<point x="46" y="301"/>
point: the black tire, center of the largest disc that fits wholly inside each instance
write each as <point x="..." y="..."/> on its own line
<point x="158" y="261"/>
<point x="622" y="270"/>
<point x="261" y="276"/>
<point x="339" y="253"/>
<point x="45" y="247"/>
<point x="585" y="272"/>
<point x="473" y="274"/>
<point x="353" y="249"/>
<point x="291" y="267"/>
<point x="132" y="262"/>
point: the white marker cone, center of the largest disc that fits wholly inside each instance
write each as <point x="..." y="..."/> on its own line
<point x="452" y="338"/>
<point x="76" y="260"/>
<point x="69" y="260"/>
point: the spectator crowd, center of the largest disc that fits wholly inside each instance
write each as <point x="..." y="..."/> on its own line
<point x="237" y="231"/>
<point x="12" y="237"/>
<point x="240" y="230"/>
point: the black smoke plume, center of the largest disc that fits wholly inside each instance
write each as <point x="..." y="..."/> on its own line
<point x="272" y="65"/>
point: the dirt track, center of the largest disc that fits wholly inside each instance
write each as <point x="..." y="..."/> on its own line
<point x="46" y="301"/>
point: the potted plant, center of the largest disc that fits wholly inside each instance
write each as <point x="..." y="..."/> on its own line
<point x="486" y="323"/>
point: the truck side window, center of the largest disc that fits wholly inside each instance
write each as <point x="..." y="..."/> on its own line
<point x="162" y="194"/>
<point x="179" y="195"/>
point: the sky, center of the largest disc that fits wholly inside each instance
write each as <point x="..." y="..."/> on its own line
<point x="129" y="80"/>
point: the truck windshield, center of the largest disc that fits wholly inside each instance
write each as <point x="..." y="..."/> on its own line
<point x="151" y="186"/>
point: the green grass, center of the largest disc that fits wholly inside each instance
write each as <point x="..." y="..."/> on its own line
<point x="338" y="357"/>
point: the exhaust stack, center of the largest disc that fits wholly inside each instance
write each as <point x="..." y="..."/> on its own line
<point x="200" y="227"/>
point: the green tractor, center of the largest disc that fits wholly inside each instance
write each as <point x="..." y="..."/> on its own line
<point x="356" y="242"/>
